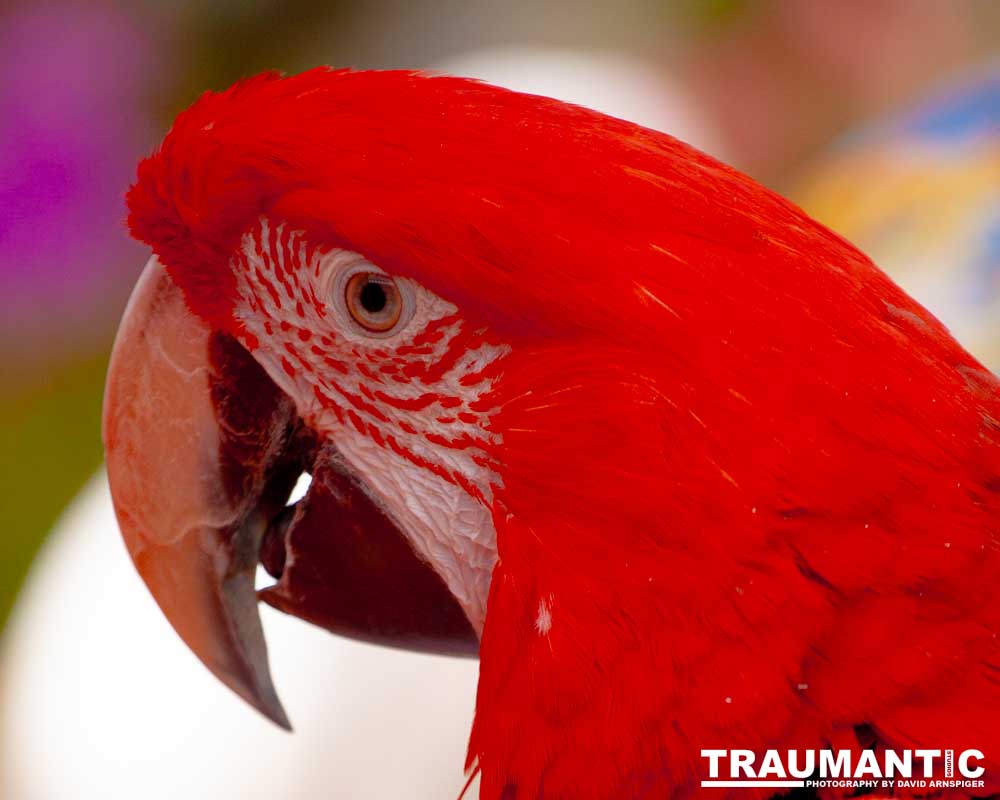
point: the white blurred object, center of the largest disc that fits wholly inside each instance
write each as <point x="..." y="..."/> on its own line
<point x="100" y="700"/>
<point x="611" y="82"/>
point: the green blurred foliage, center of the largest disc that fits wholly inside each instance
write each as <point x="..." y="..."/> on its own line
<point x="229" y="41"/>
<point x="708" y="15"/>
<point x="51" y="434"/>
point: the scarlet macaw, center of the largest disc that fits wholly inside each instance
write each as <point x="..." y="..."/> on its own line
<point x="682" y="465"/>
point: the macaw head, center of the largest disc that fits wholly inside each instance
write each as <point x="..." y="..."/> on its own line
<point x="538" y="363"/>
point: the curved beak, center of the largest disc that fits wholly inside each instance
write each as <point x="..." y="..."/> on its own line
<point x="202" y="452"/>
<point x="192" y="531"/>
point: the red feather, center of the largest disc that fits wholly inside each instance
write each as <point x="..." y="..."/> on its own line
<point x="753" y="485"/>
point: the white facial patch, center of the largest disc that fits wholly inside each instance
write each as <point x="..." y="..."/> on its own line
<point x="408" y="408"/>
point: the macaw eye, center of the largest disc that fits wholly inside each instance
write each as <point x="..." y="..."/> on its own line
<point x="373" y="301"/>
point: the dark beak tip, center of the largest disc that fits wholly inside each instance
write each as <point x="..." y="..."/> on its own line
<point x="255" y="687"/>
<point x="270" y="706"/>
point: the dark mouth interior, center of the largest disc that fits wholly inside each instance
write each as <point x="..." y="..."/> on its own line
<point x="274" y="546"/>
<point x="296" y="459"/>
<point x="273" y="550"/>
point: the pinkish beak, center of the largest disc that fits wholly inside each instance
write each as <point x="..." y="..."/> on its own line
<point x="194" y="543"/>
<point x="202" y="451"/>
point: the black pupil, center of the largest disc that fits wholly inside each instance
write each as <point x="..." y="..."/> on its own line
<point x="373" y="298"/>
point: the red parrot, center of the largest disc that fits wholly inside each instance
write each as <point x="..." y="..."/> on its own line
<point x="683" y="466"/>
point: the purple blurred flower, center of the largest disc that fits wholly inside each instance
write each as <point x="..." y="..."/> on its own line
<point x="73" y="121"/>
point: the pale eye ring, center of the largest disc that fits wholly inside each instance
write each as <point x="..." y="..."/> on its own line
<point x="374" y="301"/>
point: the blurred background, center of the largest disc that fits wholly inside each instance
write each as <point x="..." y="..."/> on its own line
<point x="880" y="117"/>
